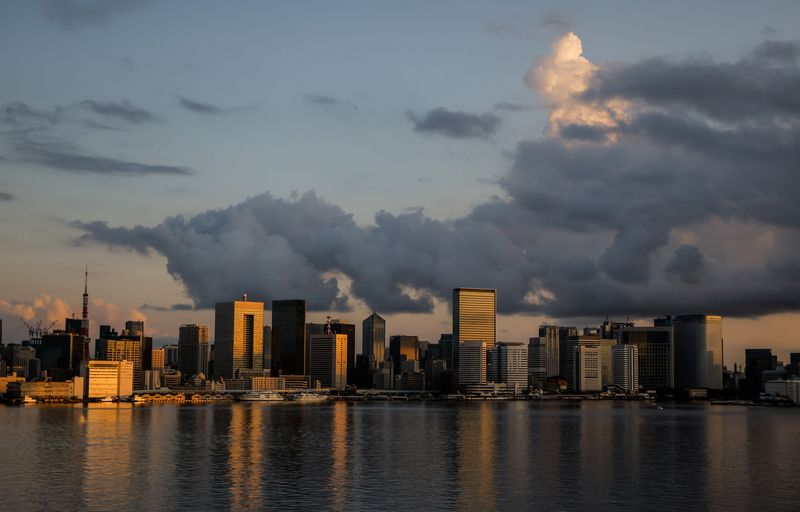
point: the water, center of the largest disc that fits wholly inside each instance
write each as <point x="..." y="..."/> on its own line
<point x="392" y="456"/>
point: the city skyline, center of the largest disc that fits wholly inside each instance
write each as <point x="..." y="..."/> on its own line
<point x="583" y="163"/>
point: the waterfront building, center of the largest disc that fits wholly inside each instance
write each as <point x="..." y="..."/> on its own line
<point x="267" y="383"/>
<point x="537" y="361"/>
<point x="511" y="364"/>
<point x="289" y="337"/>
<point x="47" y="390"/>
<point x="121" y="349"/>
<point x="588" y="370"/>
<point x="756" y="362"/>
<point x="267" y="350"/>
<point x="107" y="378"/>
<point x="446" y="350"/>
<point x="471" y="362"/>
<point x="550" y="336"/>
<point x="337" y="326"/>
<point x="655" y="352"/>
<point x="238" y="329"/>
<point x="157" y="360"/>
<point x="402" y="348"/>
<point x="327" y="360"/>
<point x="373" y="337"/>
<point x="698" y="351"/>
<point x="62" y="353"/>
<point x="192" y="350"/>
<point x="567" y="341"/>
<point x="171" y="356"/>
<point x="474" y="318"/>
<point x="626" y="367"/>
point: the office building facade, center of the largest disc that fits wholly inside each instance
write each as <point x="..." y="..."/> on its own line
<point x="373" y="337"/>
<point x="474" y="317"/>
<point x="239" y="326"/>
<point x="698" y="351"/>
<point x="511" y="364"/>
<point x="588" y="371"/>
<point x="289" y="337"/>
<point x="471" y="362"/>
<point x="550" y="336"/>
<point x="656" y="355"/>
<point x="192" y="350"/>
<point x="626" y="367"/>
<point x="327" y="360"/>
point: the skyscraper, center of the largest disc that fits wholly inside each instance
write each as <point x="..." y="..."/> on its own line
<point x="238" y="329"/>
<point x="192" y="350"/>
<point x="474" y="312"/>
<point x="472" y="362"/>
<point x="537" y="359"/>
<point x="289" y="336"/>
<point x="373" y="337"/>
<point x="349" y="330"/>
<point x="327" y="360"/>
<point x="446" y="350"/>
<point x="402" y="348"/>
<point x="511" y="364"/>
<point x="549" y="334"/>
<point x="626" y="367"/>
<point x="588" y="372"/>
<point x="655" y="353"/>
<point x="757" y="360"/>
<point x="698" y="351"/>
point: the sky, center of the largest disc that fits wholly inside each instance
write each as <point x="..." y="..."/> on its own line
<point x="587" y="160"/>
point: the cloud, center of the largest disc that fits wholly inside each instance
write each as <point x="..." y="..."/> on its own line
<point x="329" y="101"/>
<point x="53" y="310"/>
<point x="200" y="107"/>
<point x="73" y="14"/>
<point x="20" y="116"/>
<point x="630" y="214"/>
<point x="559" y="20"/>
<point x="687" y="264"/>
<point x="561" y="80"/>
<point x="174" y="307"/>
<point x="124" y="110"/>
<point x="6" y="197"/>
<point x="455" y="124"/>
<point x="67" y="157"/>
<point x="511" y="107"/>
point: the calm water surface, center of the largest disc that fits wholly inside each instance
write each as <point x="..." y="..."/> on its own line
<point x="391" y="456"/>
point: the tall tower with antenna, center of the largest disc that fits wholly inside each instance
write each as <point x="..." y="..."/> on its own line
<point x="85" y="314"/>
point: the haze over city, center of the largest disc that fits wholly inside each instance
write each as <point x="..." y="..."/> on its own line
<point x="586" y="162"/>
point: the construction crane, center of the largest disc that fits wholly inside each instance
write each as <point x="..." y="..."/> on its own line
<point x="36" y="330"/>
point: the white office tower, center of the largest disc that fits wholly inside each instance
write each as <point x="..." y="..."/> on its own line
<point x="587" y="374"/>
<point x="511" y="364"/>
<point x="626" y="367"/>
<point x="472" y="362"/>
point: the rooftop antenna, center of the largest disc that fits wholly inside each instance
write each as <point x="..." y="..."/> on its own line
<point x="244" y="297"/>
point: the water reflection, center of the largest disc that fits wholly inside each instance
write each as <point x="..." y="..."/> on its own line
<point x="379" y="456"/>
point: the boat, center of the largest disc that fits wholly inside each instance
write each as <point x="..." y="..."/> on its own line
<point x="106" y="399"/>
<point x="261" y="396"/>
<point x="28" y="400"/>
<point x="309" y="397"/>
<point x="137" y="399"/>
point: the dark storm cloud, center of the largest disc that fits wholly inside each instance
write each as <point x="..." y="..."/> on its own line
<point x="66" y="157"/>
<point x="591" y="223"/>
<point x="511" y="107"/>
<point x="329" y="101"/>
<point x="5" y="196"/>
<point x="20" y="115"/>
<point x="124" y="110"/>
<point x="200" y="107"/>
<point x="455" y="124"/>
<point x="174" y="307"/>
<point x="73" y="14"/>
<point x="687" y="264"/>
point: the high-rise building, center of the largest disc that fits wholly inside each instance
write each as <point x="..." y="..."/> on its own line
<point x="289" y="337"/>
<point x="267" y="352"/>
<point x="339" y="327"/>
<point x="373" y="337"/>
<point x="537" y="359"/>
<point x="21" y="356"/>
<point x="474" y="317"/>
<point x="567" y="341"/>
<point x="192" y="350"/>
<point x="626" y="367"/>
<point x="238" y="329"/>
<point x="655" y="353"/>
<point x="402" y="348"/>
<point x="698" y="351"/>
<point x="588" y="370"/>
<point x="327" y="360"/>
<point x="756" y="361"/>
<point x="157" y="360"/>
<point x="610" y="330"/>
<point x="107" y="378"/>
<point x="511" y="364"/>
<point x="130" y="350"/>
<point x="171" y="356"/>
<point x="550" y="335"/>
<point x="471" y="362"/>
<point x="794" y="364"/>
<point x="446" y="350"/>
<point x="62" y="353"/>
